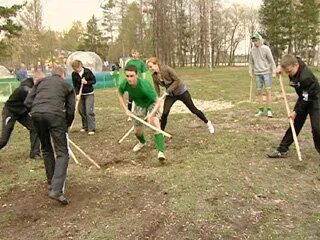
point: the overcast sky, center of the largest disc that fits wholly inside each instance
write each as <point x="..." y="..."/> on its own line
<point x="59" y="14"/>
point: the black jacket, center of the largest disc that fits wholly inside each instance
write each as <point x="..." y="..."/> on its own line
<point x="15" y="103"/>
<point x="306" y="85"/>
<point x="52" y="95"/>
<point x="90" y="78"/>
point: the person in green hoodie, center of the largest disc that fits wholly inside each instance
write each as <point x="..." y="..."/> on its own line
<point x="141" y="68"/>
<point x="147" y="105"/>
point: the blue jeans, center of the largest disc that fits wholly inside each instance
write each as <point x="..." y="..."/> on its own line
<point x="263" y="81"/>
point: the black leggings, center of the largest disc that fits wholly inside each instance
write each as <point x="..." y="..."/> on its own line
<point x="130" y="100"/>
<point x="187" y="100"/>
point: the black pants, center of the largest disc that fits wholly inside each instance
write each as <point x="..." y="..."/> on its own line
<point x="130" y="100"/>
<point x="50" y="126"/>
<point x="312" y="109"/>
<point x="8" y="122"/>
<point x="187" y="100"/>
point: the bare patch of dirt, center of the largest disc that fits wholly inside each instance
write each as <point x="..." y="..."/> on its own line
<point x="205" y="106"/>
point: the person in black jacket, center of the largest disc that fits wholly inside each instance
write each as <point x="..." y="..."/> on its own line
<point x="52" y="102"/>
<point x="308" y="103"/>
<point x="84" y="76"/>
<point x="15" y="110"/>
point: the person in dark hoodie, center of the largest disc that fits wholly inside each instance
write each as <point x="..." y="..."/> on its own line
<point x="308" y="89"/>
<point x="52" y="102"/>
<point x="15" y="110"/>
<point x="82" y="76"/>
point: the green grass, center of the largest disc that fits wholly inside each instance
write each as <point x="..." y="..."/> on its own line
<point x="217" y="186"/>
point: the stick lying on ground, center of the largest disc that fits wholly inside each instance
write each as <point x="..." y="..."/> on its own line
<point x="294" y="134"/>
<point x="77" y="105"/>
<point x="84" y="154"/>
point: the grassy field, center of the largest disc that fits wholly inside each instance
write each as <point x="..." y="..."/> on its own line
<point x="218" y="186"/>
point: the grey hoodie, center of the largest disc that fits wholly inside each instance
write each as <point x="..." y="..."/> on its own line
<point x="261" y="61"/>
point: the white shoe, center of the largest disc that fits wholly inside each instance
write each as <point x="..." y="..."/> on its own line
<point x="259" y="113"/>
<point x="210" y="127"/>
<point x="129" y="119"/>
<point x="269" y="114"/>
<point x="82" y="130"/>
<point x="91" y="133"/>
<point x="138" y="147"/>
<point x="161" y="156"/>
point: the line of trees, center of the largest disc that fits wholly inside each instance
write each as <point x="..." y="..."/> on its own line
<point x="202" y="33"/>
<point x="292" y="25"/>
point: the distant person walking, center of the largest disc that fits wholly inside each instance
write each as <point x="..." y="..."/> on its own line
<point x="52" y="102"/>
<point x="22" y="73"/>
<point x="82" y="76"/>
<point x="165" y="76"/>
<point x="263" y="68"/>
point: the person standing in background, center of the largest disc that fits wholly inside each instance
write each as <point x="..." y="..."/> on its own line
<point x="82" y="76"/>
<point x="22" y="72"/>
<point x="263" y="68"/>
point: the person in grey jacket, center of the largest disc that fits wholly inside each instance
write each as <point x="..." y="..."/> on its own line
<point x="52" y="103"/>
<point x="262" y="66"/>
<point x="166" y="77"/>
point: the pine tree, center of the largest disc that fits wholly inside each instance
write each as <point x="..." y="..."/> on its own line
<point x="276" y="17"/>
<point x="7" y="26"/>
<point x="93" y="40"/>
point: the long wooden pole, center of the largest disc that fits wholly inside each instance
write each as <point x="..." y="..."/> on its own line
<point x="132" y="128"/>
<point x="73" y="156"/>
<point x="151" y="126"/>
<point x="84" y="154"/>
<point x="250" y="94"/>
<point x="77" y="105"/>
<point x="294" y="134"/>
<point x="126" y="135"/>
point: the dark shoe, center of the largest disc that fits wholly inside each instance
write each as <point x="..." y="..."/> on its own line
<point x="36" y="157"/>
<point x="61" y="198"/>
<point x="277" y="154"/>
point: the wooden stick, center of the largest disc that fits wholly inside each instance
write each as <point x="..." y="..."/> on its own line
<point x="294" y="134"/>
<point x="151" y="126"/>
<point x="250" y="94"/>
<point x="73" y="156"/>
<point x="126" y="135"/>
<point x="84" y="154"/>
<point x="77" y="105"/>
<point x="132" y="128"/>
